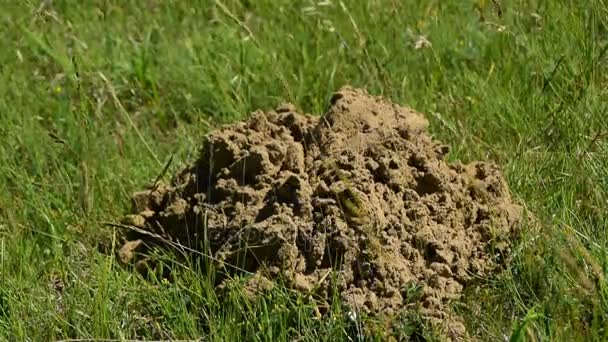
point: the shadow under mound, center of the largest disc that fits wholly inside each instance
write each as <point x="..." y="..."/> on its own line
<point x="362" y="191"/>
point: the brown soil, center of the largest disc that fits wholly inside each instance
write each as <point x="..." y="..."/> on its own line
<point x="362" y="190"/>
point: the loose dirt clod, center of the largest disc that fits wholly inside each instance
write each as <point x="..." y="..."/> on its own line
<point x="362" y="191"/>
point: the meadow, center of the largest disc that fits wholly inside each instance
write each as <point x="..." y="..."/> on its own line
<point x="97" y="96"/>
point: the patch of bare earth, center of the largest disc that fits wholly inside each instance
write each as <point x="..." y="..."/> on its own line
<point x="362" y="191"/>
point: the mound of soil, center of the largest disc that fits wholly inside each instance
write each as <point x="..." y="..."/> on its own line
<point x="362" y="191"/>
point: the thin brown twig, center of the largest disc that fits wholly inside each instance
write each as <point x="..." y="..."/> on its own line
<point x="594" y="140"/>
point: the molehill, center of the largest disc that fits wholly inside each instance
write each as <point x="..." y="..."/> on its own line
<point x="358" y="203"/>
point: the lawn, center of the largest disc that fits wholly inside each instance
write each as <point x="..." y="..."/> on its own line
<point x="97" y="96"/>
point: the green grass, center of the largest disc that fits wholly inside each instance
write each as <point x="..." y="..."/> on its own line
<point x="95" y="97"/>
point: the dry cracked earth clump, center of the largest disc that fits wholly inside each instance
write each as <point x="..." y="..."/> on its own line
<point x="363" y="193"/>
